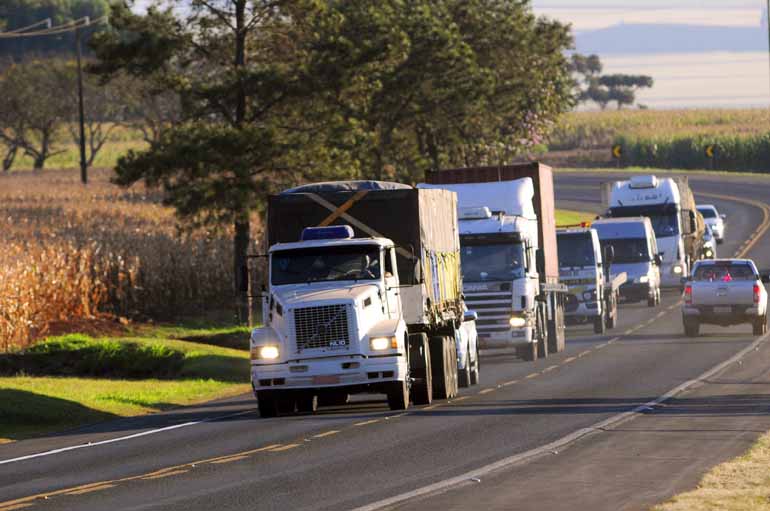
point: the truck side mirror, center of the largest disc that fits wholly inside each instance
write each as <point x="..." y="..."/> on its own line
<point x="470" y="316"/>
<point x="658" y="259"/>
<point x="723" y="217"/>
<point x="540" y="261"/>
<point x="609" y="254"/>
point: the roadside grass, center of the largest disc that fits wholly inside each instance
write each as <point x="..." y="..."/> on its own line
<point x="567" y="217"/>
<point x="742" y="484"/>
<point x="33" y="405"/>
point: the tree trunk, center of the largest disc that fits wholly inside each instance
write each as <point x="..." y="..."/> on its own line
<point x="240" y="249"/>
<point x="9" y="158"/>
<point x="39" y="161"/>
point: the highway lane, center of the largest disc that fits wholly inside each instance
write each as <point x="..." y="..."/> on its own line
<point x="365" y="453"/>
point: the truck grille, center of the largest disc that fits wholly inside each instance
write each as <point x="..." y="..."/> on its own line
<point x="322" y="327"/>
<point x="494" y="310"/>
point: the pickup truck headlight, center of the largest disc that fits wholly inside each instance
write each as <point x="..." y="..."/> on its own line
<point x="269" y="352"/>
<point x="644" y="279"/>
<point x="517" y="322"/>
<point x="383" y="343"/>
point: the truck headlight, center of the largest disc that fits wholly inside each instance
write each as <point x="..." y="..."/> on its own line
<point x="644" y="279"/>
<point x="383" y="343"/>
<point x="709" y="253"/>
<point x="677" y="270"/>
<point x="517" y="322"/>
<point x="268" y="352"/>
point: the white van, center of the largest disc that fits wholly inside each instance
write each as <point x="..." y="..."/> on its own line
<point x="636" y="253"/>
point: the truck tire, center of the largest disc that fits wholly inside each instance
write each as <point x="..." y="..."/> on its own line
<point x="398" y="395"/>
<point x="443" y="367"/>
<point x="760" y="326"/>
<point x="652" y="301"/>
<point x="556" y="331"/>
<point x="333" y="398"/>
<point x="464" y="375"/>
<point x="307" y="402"/>
<point x="420" y="369"/>
<point x="599" y="325"/>
<point x="475" y="370"/>
<point x="285" y="402"/>
<point x="268" y="407"/>
<point x="691" y="328"/>
<point x="528" y="353"/>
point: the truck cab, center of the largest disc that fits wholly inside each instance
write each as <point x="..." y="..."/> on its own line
<point x="581" y="269"/>
<point x="669" y="205"/>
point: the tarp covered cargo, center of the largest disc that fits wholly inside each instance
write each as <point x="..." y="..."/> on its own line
<point x="544" y="201"/>
<point x="422" y="224"/>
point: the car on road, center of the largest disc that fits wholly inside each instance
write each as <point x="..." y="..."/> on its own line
<point x="714" y="220"/>
<point x="709" y="244"/>
<point x="725" y="292"/>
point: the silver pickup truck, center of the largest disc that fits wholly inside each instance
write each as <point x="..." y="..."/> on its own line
<point x="724" y="292"/>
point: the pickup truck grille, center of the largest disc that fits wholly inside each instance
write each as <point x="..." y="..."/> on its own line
<point x="322" y="327"/>
<point x="494" y="310"/>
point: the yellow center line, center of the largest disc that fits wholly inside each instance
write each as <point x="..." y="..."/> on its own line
<point x="568" y="360"/>
<point x="583" y="353"/>
<point x="327" y="433"/>
<point x="230" y="459"/>
<point x="284" y="448"/>
<point x="81" y="491"/>
<point x="533" y="375"/>
<point x="512" y="382"/>
<point x="549" y="369"/>
<point x="459" y="399"/>
<point x="486" y="391"/>
<point x="168" y="474"/>
<point x="601" y="346"/>
<point x="366" y="423"/>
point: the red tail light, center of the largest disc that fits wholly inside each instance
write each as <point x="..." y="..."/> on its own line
<point x="756" y="293"/>
<point x="688" y="294"/>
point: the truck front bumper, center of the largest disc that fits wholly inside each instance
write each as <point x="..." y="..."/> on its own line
<point x="716" y="315"/>
<point x="631" y="292"/>
<point x="513" y="338"/>
<point x="329" y="372"/>
<point x="580" y="312"/>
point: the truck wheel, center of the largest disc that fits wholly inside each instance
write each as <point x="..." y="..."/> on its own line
<point x="475" y="370"/>
<point x="691" y="328"/>
<point x="267" y="404"/>
<point x="420" y="369"/>
<point x="612" y="314"/>
<point x="443" y="367"/>
<point x="599" y="325"/>
<point x="464" y="376"/>
<point x="286" y="402"/>
<point x="529" y="352"/>
<point x="307" y="402"/>
<point x="398" y="395"/>
<point x="652" y="301"/>
<point x="760" y="326"/>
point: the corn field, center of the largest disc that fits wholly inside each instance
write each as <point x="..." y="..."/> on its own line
<point x="71" y="251"/>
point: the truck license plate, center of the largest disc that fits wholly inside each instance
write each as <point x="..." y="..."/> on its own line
<point x="326" y="380"/>
<point x="723" y="310"/>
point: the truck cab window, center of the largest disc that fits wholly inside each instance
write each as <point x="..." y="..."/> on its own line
<point x="493" y="262"/>
<point x="349" y="262"/>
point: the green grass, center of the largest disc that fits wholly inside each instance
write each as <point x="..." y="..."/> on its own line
<point x="567" y="217"/>
<point x="33" y="405"/>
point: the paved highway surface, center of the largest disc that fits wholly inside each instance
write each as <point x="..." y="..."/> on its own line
<point x="483" y="450"/>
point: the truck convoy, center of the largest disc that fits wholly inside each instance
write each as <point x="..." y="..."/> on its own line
<point x="509" y="255"/>
<point x="364" y="295"/>
<point x="593" y="289"/>
<point x="669" y="204"/>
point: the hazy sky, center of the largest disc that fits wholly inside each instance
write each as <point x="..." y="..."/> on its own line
<point x="592" y="14"/>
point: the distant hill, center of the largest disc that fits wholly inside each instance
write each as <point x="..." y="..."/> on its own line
<point x="653" y="38"/>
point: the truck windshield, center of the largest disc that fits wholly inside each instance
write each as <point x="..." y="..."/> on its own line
<point x="352" y="262"/>
<point x="664" y="219"/>
<point x="576" y="249"/>
<point x="628" y="250"/>
<point x="490" y="262"/>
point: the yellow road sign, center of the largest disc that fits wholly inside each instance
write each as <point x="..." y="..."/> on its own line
<point x="709" y="151"/>
<point x="617" y="151"/>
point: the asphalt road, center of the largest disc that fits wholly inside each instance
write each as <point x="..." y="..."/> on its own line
<point x="223" y="456"/>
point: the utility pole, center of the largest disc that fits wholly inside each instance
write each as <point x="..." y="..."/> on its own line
<point x="81" y="110"/>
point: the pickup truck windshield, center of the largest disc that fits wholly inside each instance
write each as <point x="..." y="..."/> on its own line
<point x="724" y="272"/>
<point x="575" y="249"/>
<point x="628" y="250"/>
<point x="489" y="262"/>
<point x="355" y="262"/>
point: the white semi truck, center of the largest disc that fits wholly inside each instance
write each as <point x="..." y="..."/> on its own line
<point x="669" y="204"/>
<point x="509" y="255"/>
<point x="363" y="295"/>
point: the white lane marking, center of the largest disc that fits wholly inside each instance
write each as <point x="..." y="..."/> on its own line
<point x="561" y="442"/>
<point x="120" y="439"/>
